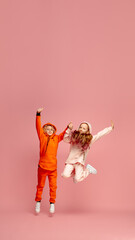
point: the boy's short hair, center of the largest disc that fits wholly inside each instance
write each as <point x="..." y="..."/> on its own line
<point x="45" y="126"/>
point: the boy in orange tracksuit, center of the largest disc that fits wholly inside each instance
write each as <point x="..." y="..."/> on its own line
<point x="48" y="161"/>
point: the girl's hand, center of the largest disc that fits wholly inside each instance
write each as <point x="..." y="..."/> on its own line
<point x="40" y="110"/>
<point x="70" y="125"/>
<point x="112" y="124"/>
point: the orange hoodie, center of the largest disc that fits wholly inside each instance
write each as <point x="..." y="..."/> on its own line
<point x="48" y="146"/>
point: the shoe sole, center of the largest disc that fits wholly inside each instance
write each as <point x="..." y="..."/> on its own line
<point x="92" y="170"/>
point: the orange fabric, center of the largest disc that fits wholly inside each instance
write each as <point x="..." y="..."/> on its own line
<point x="48" y="146"/>
<point x="52" y="176"/>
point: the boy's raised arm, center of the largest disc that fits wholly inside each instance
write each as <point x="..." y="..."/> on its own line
<point x="38" y="123"/>
<point x="65" y="135"/>
<point x="61" y="135"/>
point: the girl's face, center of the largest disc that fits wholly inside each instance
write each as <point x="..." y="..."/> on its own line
<point x="49" y="130"/>
<point x="83" y="128"/>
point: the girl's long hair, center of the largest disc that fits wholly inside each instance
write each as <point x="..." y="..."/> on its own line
<point x="82" y="139"/>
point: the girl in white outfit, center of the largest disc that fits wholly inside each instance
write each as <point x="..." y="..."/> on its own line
<point x="80" y="143"/>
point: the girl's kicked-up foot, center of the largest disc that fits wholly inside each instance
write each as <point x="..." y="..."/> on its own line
<point x="91" y="169"/>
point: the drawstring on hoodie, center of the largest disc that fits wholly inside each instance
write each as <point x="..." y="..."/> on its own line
<point x="47" y="143"/>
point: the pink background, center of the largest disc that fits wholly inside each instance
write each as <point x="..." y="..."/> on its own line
<point x="76" y="59"/>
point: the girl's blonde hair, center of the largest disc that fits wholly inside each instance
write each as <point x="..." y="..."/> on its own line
<point x="83" y="139"/>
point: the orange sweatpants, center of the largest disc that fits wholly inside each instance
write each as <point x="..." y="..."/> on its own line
<point x="52" y="177"/>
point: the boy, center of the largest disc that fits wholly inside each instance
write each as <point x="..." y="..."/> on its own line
<point x="48" y="161"/>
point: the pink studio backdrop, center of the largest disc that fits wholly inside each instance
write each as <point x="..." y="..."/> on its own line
<point x="76" y="59"/>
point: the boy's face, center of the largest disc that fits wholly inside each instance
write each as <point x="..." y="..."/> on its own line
<point x="49" y="130"/>
<point x="83" y="128"/>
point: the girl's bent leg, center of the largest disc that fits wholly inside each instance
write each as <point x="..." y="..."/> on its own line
<point x="80" y="172"/>
<point x="68" y="171"/>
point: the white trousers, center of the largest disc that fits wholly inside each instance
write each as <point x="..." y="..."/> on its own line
<point x="77" y="171"/>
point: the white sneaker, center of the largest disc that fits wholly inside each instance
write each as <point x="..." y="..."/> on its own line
<point x="52" y="208"/>
<point x="91" y="169"/>
<point x="37" y="208"/>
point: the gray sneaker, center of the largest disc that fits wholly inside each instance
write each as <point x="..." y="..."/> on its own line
<point x="91" y="169"/>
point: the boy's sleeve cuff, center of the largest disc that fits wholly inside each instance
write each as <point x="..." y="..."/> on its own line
<point x="38" y="114"/>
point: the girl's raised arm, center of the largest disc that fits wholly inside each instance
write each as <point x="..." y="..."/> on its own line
<point x="68" y="134"/>
<point x="102" y="133"/>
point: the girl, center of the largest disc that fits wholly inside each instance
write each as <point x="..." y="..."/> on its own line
<point x="80" y="143"/>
